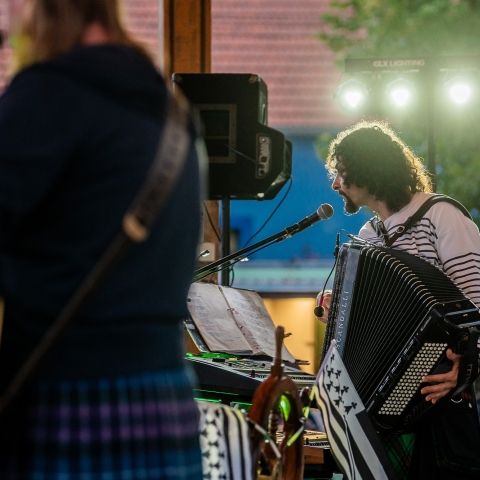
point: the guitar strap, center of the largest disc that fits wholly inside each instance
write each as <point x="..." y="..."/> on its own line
<point x="378" y="226"/>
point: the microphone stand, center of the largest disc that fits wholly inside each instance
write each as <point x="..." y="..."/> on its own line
<point x="224" y="276"/>
<point x="229" y="260"/>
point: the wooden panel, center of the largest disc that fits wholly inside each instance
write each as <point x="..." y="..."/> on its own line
<point x="296" y="315"/>
<point x="187" y="49"/>
<point x="187" y="36"/>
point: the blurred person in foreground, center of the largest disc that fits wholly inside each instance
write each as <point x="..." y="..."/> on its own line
<point x="372" y="167"/>
<point x="79" y="128"/>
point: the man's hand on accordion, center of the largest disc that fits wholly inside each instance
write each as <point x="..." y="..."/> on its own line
<point x="442" y="383"/>
<point x="322" y="305"/>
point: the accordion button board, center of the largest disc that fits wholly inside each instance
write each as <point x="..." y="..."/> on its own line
<point x="393" y="316"/>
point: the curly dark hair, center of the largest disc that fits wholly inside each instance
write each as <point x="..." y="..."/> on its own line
<point x="371" y="155"/>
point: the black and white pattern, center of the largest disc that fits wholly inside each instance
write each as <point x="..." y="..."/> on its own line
<point x="353" y="440"/>
<point x="225" y="444"/>
<point x="444" y="236"/>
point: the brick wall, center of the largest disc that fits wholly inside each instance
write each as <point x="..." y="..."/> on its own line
<point x="273" y="38"/>
<point x="4" y="52"/>
<point x="276" y="39"/>
<point x="142" y="19"/>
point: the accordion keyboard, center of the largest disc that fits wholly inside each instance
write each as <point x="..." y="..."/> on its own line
<point x="393" y="315"/>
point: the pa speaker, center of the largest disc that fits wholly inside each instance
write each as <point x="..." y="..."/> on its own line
<point x="247" y="159"/>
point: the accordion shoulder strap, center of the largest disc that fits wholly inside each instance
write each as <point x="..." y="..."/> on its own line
<point x="418" y="215"/>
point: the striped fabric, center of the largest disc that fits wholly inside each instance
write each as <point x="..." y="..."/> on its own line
<point x="131" y="428"/>
<point x="354" y="443"/>
<point x="444" y="237"/>
<point x="225" y="443"/>
<point x="449" y="240"/>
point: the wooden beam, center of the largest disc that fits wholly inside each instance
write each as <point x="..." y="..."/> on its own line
<point x="187" y="28"/>
<point x="186" y="36"/>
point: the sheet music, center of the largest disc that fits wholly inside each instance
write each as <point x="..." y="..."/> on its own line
<point x="214" y="320"/>
<point x="254" y="321"/>
<point x="233" y="320"/>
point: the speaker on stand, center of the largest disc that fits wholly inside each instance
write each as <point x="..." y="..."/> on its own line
<point x="247" y="160"/>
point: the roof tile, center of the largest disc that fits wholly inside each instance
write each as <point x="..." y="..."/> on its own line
<point x="276" y="40"/>
<point x="272" y="38"/>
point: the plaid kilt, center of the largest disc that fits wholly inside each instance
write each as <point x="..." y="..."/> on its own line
<point x="129" y="428"/>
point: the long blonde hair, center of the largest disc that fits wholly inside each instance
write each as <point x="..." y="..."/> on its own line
<point x="48" y="28"/>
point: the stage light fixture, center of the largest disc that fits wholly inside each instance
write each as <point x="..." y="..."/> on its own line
<point x="352" y="94"/>
<point x="400" y="92"/>
<point x="436" y="82"/>
<point x="460" y="91"/>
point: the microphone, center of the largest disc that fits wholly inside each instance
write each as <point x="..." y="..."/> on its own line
<point x="324" y="211"/>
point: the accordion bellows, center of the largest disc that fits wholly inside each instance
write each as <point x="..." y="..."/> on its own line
<point x="393" y="316"/>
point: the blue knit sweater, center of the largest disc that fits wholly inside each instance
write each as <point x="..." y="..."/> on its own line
<point x="77" y="137"/>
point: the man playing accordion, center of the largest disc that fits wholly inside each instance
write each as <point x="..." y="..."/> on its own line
<point x="372" y="167"/>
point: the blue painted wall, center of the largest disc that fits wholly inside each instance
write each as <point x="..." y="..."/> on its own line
<point x="310" y="188"/>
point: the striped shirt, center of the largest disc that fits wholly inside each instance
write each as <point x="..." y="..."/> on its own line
<point x="444" y="236"/>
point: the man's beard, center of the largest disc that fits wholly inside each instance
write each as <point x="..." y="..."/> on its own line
<point x="350" y="207"/>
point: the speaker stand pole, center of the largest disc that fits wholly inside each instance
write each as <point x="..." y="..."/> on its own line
<point x="225" y="246"/>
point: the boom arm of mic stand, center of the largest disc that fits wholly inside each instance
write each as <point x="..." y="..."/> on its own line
<point x="235" y="257"/>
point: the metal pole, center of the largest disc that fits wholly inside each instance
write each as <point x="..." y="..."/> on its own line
<point x="225" y="247"/>
<point x="431" y="148"/>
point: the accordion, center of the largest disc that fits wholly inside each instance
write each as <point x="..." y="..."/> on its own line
<point x="393" y="316"/>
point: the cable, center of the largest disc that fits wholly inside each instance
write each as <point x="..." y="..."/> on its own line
<point x="290" y="182"/>
<point x="272" y="213"/>
<point x="231" y="267"/>
<point x="241" y="154"/>
<point x="232" y="275"/>
<point x="319" y="310"/>
<point x="210" y="221"/>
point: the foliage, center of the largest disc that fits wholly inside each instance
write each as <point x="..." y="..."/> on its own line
<point x="402" y="27"/>
<point x="419" y="28"/>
